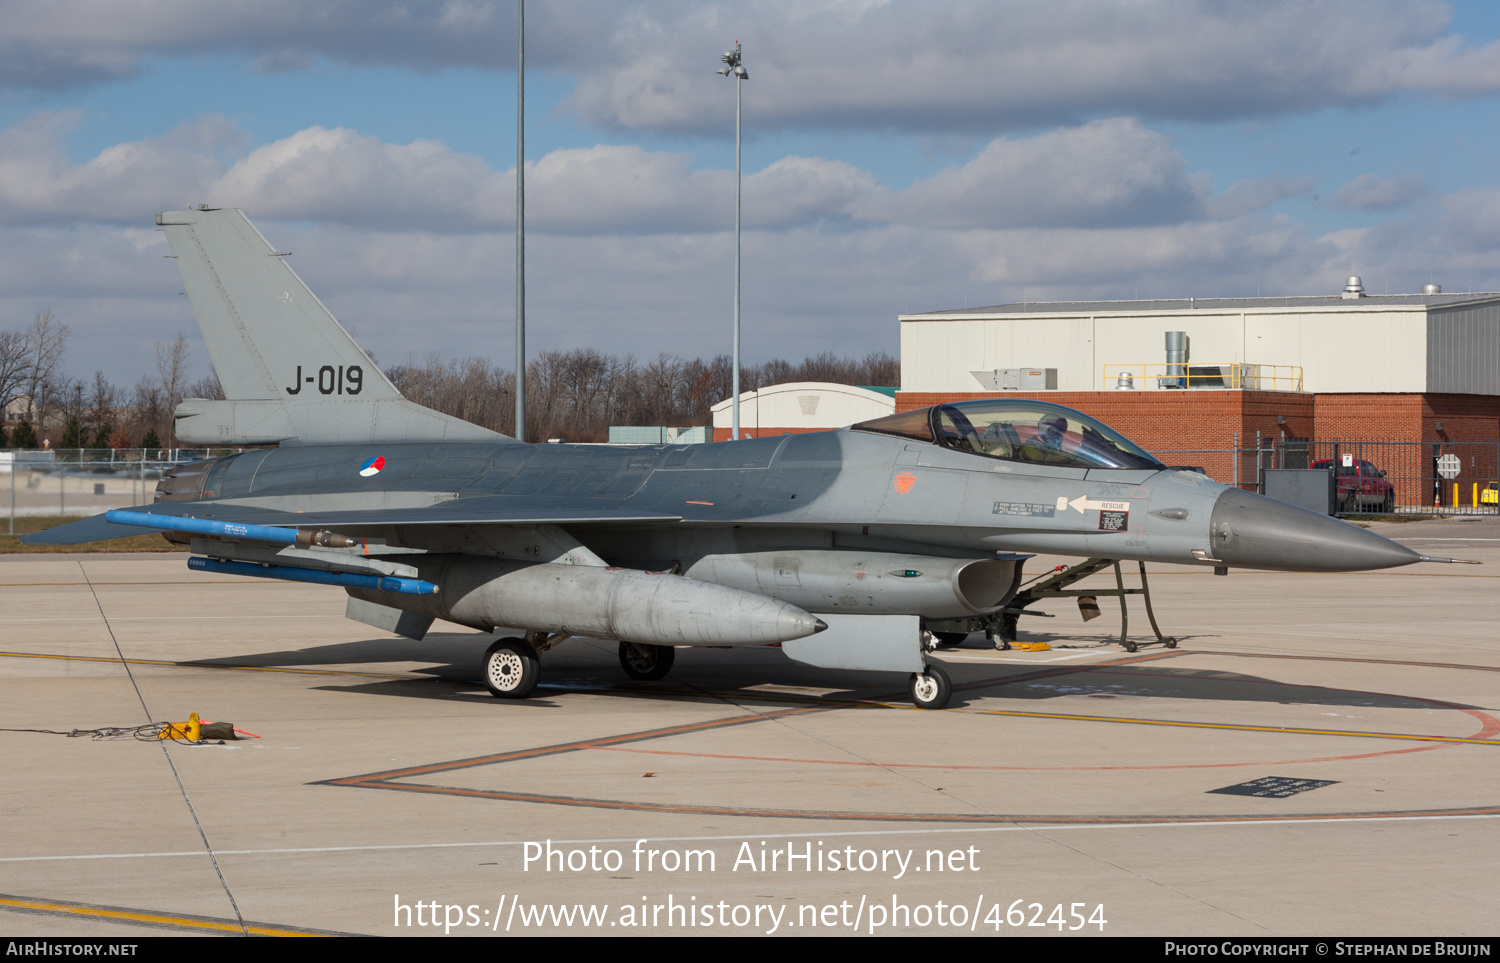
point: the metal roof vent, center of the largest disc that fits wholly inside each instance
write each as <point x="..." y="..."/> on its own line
<point x="1432" y="289"/>
<point x="1354" y="287"/>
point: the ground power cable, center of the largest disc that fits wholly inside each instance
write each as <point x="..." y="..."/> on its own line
<point x="214" y="859"/>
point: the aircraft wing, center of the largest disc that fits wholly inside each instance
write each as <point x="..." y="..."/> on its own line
<point x="460" y="511"/>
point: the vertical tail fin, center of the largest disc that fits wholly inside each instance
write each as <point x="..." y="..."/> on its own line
<point x="290" y="371"/>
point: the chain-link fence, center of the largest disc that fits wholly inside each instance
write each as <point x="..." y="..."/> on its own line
<point x="1374" y="475"/>
<point x="86" y="481"/>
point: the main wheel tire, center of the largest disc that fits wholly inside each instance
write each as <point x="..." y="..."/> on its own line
<point x="511" y="669"/>
<point x="947" y="640"/>
<point x="930" y="688"/>
<point x="646" y="662"/>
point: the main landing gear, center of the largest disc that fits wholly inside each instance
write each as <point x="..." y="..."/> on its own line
<point x="511" y="669"/>
<point x="646" y="662"/>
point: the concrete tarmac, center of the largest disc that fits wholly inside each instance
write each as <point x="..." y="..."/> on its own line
<point x="1068" y="792"/>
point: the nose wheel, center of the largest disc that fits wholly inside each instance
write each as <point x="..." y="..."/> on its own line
<point x="931" y="687"/>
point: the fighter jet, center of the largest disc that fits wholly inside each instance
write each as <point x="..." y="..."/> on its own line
<point x="841" y="547"/>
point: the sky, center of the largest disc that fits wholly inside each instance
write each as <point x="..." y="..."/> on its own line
<point x="898" y="158"/>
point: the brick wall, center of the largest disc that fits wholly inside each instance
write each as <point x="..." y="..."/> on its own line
<point x="1199" y="427"/>
<point x="722" y="434"/>
<point x="1173" y="423"/>
<point x="1166" y="420"/>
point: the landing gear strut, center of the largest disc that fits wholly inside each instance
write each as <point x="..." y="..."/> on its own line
<point x="1002" y="628"/>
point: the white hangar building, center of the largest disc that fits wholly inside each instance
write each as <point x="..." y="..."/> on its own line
<point x="1418" y="343"/>
<point x="802" y="406"/>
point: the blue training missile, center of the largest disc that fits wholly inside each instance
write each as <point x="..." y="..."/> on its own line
<point x="207" y="526"/>
<point x="373" y="583"/>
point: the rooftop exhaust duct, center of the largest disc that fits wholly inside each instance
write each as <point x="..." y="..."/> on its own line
<point x="1177" y="355"/>
<point x="1354" y="287"/>
<point x="1432" y="288"/>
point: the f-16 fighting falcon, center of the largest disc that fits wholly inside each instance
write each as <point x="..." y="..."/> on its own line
<point x="844" y="547"/>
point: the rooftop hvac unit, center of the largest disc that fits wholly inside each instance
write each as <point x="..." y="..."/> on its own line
<point x="1017" y="379"/>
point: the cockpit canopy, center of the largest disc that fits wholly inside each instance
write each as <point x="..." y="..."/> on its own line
<point x="1018" y="430"/>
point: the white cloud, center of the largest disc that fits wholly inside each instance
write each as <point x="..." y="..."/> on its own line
<point x="1255" y="194"/>
<point x="977" y="65"/>
<point x="38" y="184"/>
<point x="1371" y="192"/>
<point x="346" y="177"/>
<point x="630" y="250"/>
<point x="1107" y="173"/>
<point x="964" y="65"/>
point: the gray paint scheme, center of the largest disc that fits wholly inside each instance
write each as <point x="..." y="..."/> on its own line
<point x="733" y="543"/>
<point x="675" y="505"/>
<point x="274" y="346"/>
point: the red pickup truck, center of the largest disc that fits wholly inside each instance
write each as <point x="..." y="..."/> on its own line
<point x="1361" y="487"/>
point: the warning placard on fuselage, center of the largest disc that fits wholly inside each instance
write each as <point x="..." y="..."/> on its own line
<point x="1114" y="521"/>
<point x="1033" y="509"/>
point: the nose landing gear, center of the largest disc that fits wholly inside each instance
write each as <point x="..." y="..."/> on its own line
<point x="930" y="688"/>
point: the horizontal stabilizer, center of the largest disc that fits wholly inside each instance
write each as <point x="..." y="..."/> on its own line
<point x="96" y="529"/>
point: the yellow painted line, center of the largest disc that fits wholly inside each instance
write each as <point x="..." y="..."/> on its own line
<point x="1230" y="726"/>
<point x="199" y="665"/>
<point x="182" y="922"/>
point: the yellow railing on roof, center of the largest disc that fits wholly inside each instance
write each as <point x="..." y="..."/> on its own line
<point x="1234" y="375"/>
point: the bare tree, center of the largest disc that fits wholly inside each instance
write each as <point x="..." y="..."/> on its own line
<point x="171" y="375"/>
<point x="15" y="353"/>
<point x="578" y="395"/>
<point x="150" y="413"/>
<point x="46" y="339"/>
<point x="100" y="419"/>
<point x="208" y="387"/>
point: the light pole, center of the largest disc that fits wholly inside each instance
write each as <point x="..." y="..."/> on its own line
<point x="734" y="66"/>
<point x="521" y="221"/>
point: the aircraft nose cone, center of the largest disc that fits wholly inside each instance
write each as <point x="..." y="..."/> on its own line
<point x="1257" y="532"/>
